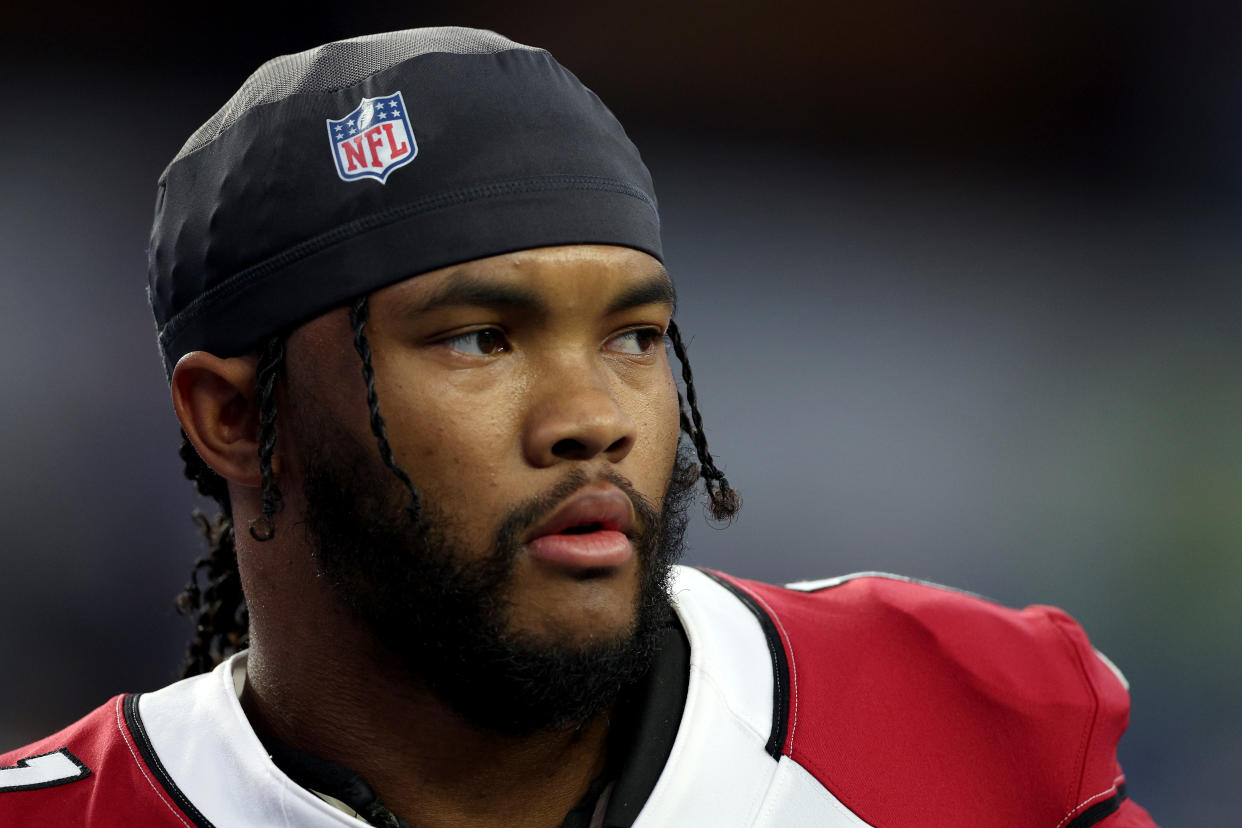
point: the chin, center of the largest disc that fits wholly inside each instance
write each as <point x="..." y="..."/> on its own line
<point x="584" y="610"/>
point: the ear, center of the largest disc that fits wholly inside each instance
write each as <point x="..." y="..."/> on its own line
<point x="217" y="402"/>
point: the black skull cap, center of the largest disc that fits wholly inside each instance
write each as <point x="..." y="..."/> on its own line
<point x="342" y="169"/>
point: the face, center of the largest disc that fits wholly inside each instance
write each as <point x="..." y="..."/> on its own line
<point x="529" y="398"/>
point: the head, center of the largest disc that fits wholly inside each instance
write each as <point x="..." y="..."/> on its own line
<point x="414" y="387"/>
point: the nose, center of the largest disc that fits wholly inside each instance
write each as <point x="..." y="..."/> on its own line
<point x="576" y="417"/>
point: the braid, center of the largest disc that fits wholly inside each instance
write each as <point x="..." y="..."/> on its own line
<point x="358" y="321"/>
<point x="218" y="608"/>
<point x="271" y="362"/>
<point x="725" y="501"/>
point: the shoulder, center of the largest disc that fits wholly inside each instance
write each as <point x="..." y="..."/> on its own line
<point x="885" y="620"/>
<point x="88" y="774"/>
<point x="915" y="703"/>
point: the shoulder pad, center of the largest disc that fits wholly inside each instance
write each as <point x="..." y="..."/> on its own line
<point x="916" y="704"/>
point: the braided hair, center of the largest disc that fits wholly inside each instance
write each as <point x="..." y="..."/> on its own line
<point x="723" y="498"/>
<point x="218" y="607"/>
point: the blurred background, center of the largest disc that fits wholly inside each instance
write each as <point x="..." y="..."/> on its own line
<point x="961" y="282"/>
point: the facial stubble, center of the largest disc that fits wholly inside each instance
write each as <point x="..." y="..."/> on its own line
<point x="444" y="612"/>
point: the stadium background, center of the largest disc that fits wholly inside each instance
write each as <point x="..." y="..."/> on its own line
<point x="961" y="282"/>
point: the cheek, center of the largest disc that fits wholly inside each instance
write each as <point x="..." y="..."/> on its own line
<point x="671" y="426"/>
<point x="659" y="431"/>
<point x="323" y="391"/>
<point x="454" y="436"/>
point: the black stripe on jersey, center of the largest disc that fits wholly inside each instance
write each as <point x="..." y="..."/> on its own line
<point x="1097" y="812"/>
<point x="780" y="666"/>
<point x="139" y="731"/>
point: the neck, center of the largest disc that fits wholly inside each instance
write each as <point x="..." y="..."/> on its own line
<point x="350" y="705"/>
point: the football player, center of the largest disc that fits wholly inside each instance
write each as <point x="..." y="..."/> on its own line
<point x="411" y="301"/>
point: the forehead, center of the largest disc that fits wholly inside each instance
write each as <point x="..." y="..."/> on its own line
<point x="581" y="274"/>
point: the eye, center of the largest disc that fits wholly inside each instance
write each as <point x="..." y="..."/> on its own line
<point x="636" y="342"/>
<point x="483" y="342"/>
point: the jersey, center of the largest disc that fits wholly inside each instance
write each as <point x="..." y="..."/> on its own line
<point x="867" y="700"/>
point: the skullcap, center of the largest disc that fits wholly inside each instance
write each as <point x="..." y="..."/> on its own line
<point x="339" y="170"/>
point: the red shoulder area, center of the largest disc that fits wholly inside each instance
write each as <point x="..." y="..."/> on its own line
<point x="920" y="705"/>
<point x="44" y="783"/>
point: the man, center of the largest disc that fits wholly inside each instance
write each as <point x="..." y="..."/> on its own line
<point x="410" y="299"/>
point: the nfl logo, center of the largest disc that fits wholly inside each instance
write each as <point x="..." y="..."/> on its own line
<point x="373" y="140"/>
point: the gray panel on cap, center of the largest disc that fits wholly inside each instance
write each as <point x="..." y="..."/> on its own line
<point x="342" y="63"/>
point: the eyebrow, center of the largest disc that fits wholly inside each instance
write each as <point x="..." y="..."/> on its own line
<point x="468" y="290"/>
<point x="464" y="289"/>
<point x="655" y="289"/>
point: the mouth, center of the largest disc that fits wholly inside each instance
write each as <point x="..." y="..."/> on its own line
<point x="590" y="530"/>
<point x="582" y="528"/>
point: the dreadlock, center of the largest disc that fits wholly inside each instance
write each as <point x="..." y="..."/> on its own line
<point x="221" y="619"/>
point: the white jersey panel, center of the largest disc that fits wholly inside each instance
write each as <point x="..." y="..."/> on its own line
<point x="719" y="778"/>
<point x="728" y="644"/>
<point x="718" y="772"/>
<point x="796" y="798"/>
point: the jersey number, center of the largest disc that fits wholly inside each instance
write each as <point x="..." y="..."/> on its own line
<point x="43" y="771"/>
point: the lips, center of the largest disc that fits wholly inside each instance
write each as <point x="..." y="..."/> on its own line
<point x="602" y="508"/>
<point x="590" y="530"/>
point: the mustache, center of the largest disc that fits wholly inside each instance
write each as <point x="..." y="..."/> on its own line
<point x="535" y="510"/>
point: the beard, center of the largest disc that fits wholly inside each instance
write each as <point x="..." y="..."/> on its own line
<point x="444" y="612"/>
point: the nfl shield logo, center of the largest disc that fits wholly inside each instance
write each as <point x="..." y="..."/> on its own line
<point x="373" y="140"/>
